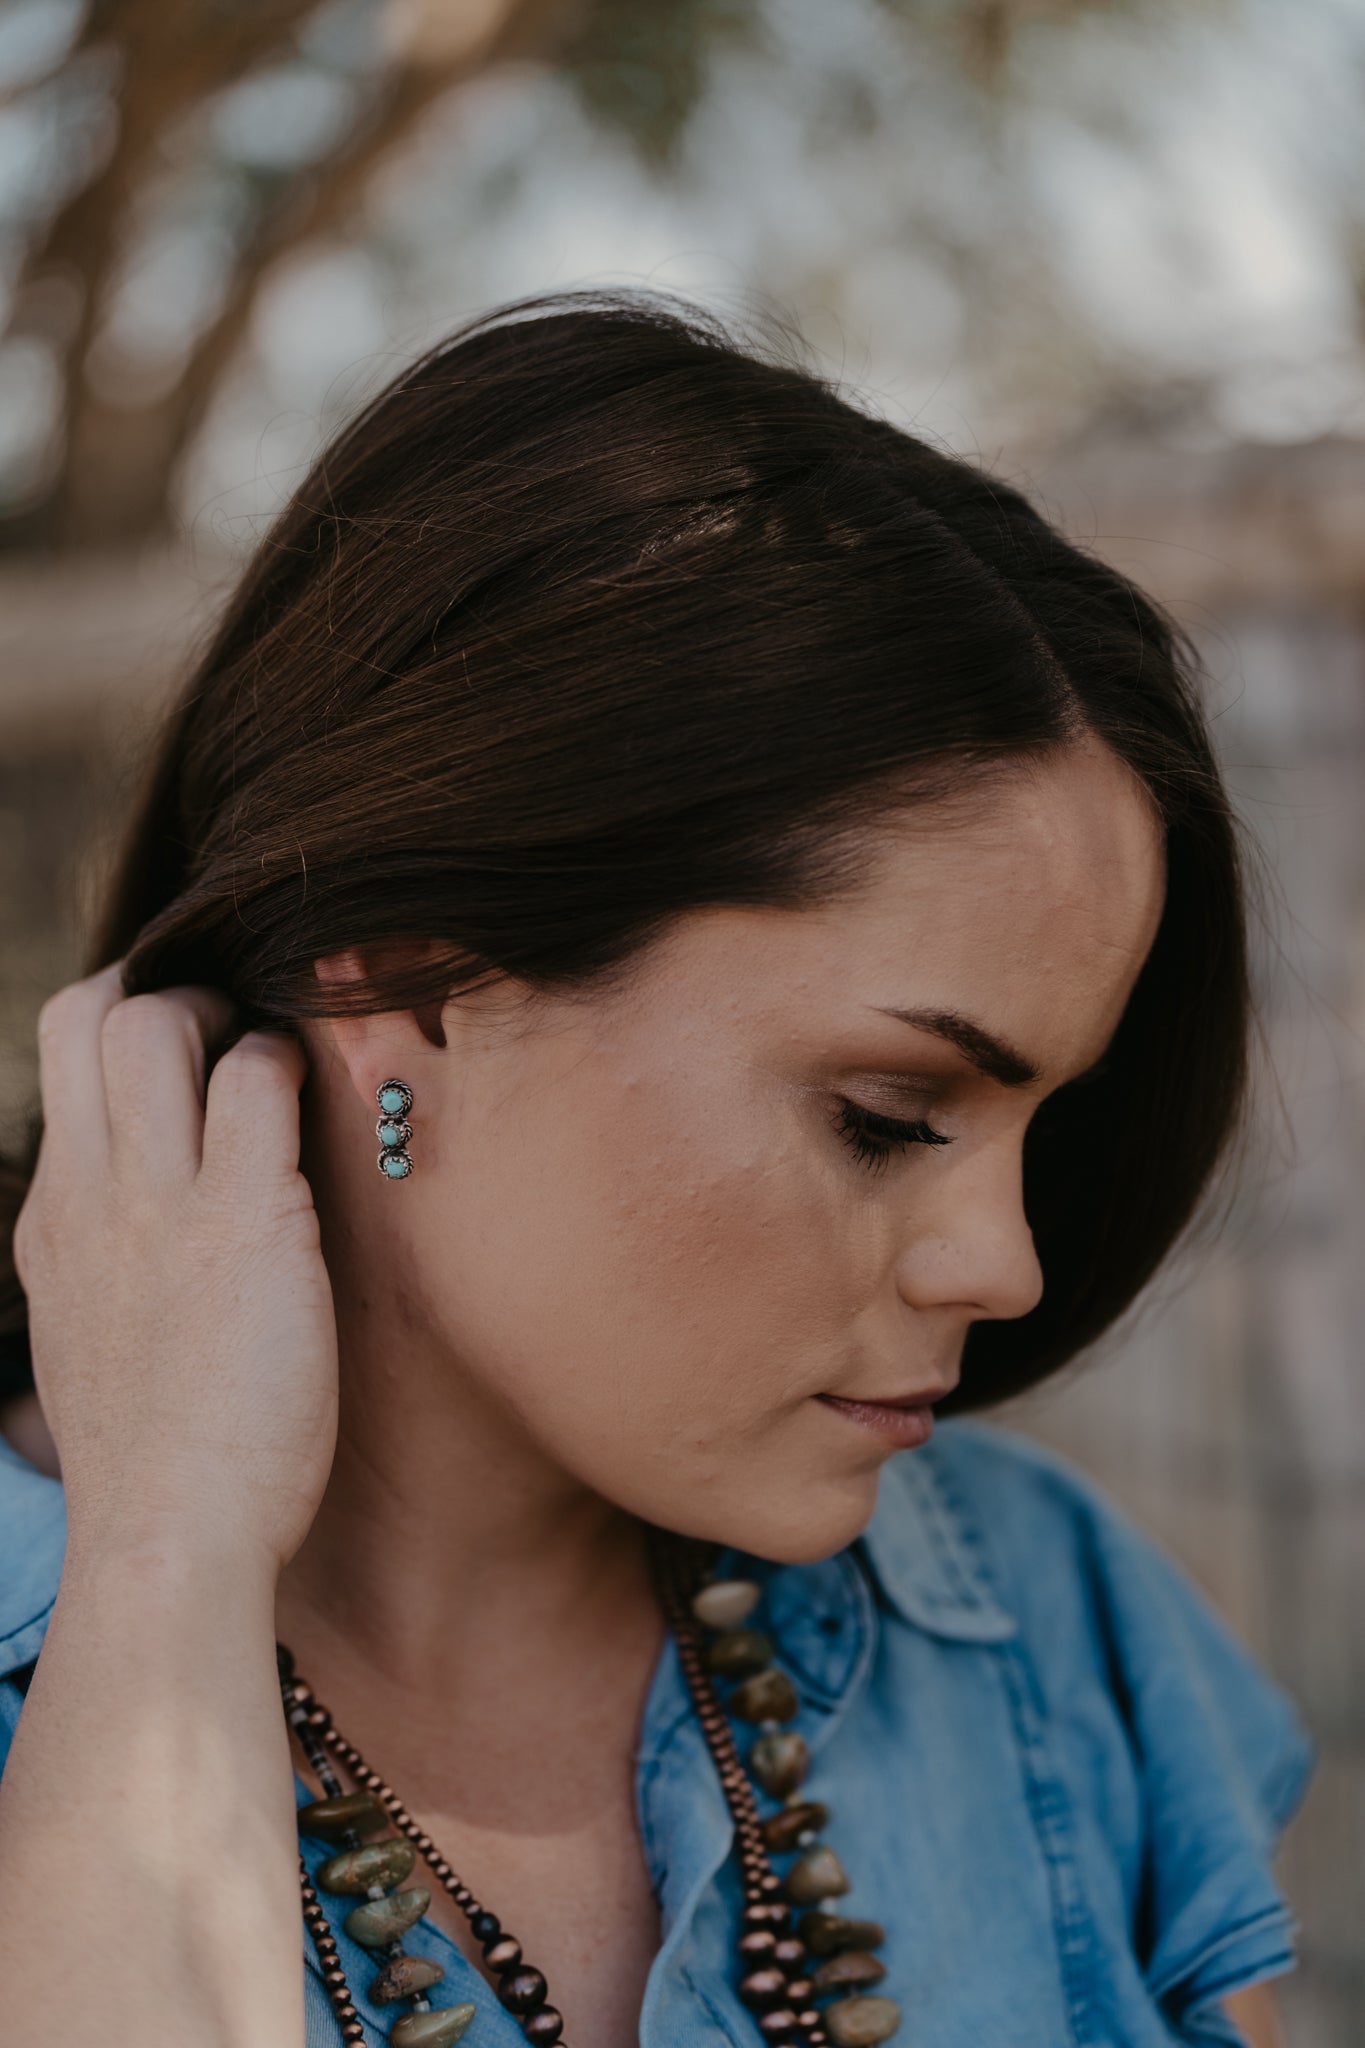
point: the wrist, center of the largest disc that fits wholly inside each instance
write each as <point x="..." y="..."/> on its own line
<point x="167" y="1561"/>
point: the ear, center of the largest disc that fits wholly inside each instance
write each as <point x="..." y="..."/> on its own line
<point x="381" y="1045"/>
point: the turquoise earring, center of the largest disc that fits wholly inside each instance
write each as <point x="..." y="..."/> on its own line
<point x="393" y="1129"/>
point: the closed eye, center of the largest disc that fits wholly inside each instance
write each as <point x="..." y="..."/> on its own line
<point x="873" y="1138"/>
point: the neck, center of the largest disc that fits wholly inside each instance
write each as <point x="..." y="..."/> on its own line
<point x="444" y="1524"/>
<point x="437" y="1530"/>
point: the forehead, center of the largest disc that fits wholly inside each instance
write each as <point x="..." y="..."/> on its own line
<point x="1027" y="902"/>
<point x="1030" y="899"/>
<point x="1074" y="833"/>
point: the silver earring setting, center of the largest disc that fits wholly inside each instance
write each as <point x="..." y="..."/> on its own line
<point x="393" y="1129"/>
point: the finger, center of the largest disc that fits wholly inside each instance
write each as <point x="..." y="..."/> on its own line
<point x="251" y="1124"/>
<point x="154" y="1049"/>
<point x="70" y="1072"/>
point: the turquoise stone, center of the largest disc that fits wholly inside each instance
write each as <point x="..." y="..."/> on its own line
<point x="854" y="1970"/>
<point x="333" y="1817"/>
<point x="397" y="1166"/>
<point x="767" y="1696"/>
<point x="782" y="1831"/>
<point x="739" y="1653"/>
<point x="404" y="1976"/>
<point x="825" y="1934"/>
<point x="780" y="1762"/>
<point x="381" y="1921"/>
<point x="391" y="1101"/>
<point x="390" y="1134"/>
<point x="432" y="2029"/>
<point x="861" y="2022"/>
<point x="817" y="1875"/>
<point x="355" y="1870"/>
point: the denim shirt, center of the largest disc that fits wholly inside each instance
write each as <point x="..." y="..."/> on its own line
<point x="1053" y="1773"/>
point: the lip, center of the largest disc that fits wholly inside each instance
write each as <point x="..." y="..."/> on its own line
<point x="904" y="1424"/>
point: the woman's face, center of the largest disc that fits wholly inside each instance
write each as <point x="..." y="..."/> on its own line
<point x="646" y="1228"/>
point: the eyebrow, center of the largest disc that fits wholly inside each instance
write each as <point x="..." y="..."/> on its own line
<point x="988" y="1054"/>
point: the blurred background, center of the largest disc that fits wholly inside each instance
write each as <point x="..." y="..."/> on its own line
<point x="1114" y="251"/>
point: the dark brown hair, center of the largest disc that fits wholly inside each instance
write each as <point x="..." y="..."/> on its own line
<point x="594" y="617"/>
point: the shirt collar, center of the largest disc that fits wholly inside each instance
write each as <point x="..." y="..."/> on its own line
<point x="922" y="1545"/>
<point x="926" y="1551"/>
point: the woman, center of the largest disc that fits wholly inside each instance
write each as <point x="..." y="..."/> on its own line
<point x="766" y="905"/>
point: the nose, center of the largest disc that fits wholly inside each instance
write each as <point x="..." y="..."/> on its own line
<point x="973" y="1250"/>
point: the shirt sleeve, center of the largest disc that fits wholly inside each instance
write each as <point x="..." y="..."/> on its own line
<point x="1223" y="1759"/>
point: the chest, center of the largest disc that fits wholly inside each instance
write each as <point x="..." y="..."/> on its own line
<point x="942" y="1809"/>
<point x="576" y="1898"/>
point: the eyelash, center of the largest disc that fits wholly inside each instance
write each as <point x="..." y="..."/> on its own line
<point x="873" y="1138"/>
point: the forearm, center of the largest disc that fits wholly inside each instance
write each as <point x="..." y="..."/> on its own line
<point x="148" y="1852"/>
<point x="1256" y="2012"/>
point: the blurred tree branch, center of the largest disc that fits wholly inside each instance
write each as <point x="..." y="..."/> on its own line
<point x="318" y="200"/>
<point x="115" y="464"/>
<point x="167" y="65"/>
<point x="125" y="421"/>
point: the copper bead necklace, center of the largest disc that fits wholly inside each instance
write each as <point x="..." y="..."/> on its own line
<point x="786" y="1964"/>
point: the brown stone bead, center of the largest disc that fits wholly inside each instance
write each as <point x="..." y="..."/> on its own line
<point x="522" y="1990"/>
<point x="861" y="2022"/>
<point x="331" y="1818"/>
<point x="790" y="1954"/>
<point x="817" y="1875"/>
<point x="825" y="1934"/>
<point x="779" y="2025"/>
<point x="853" y="1970"/>
<point x="543" y="2029"/>
<point x="355" y="1870"/>
<point x="784" y="1829"/>
<point x="758" y="1945"/>
<point x="739" y="1652"/>
<point x="767" y="1696"/>
<point x="432" y="2029"/>
<point x="767" y="1913"/>
<point x="380" y="1921"/>
<point x="403" y="1977"/>
<point x="763" y="1987"/>
<point x="780" y="1762"/>
<point x="502" y="1954"/>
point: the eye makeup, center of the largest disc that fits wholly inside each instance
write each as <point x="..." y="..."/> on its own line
<point x="873" y="1138"/>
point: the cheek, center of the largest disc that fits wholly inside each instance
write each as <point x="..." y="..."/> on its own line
<point x="667" y="1267"/>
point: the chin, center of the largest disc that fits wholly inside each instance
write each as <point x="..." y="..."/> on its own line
<point x="800" y="1524"/>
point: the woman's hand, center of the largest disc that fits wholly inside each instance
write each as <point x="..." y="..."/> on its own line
<point x="184" y="1342"/>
